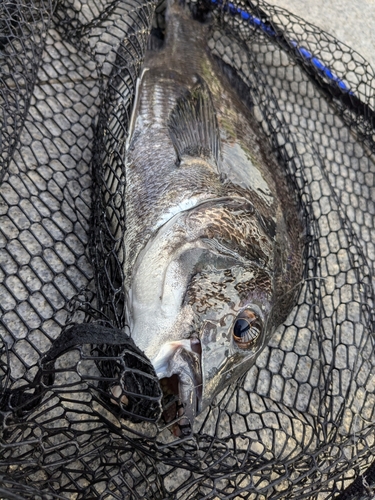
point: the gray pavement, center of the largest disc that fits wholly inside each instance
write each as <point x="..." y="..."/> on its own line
<point x="351" y="22"/>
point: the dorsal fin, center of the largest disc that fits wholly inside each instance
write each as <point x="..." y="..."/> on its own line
<point x="193" y="126"/>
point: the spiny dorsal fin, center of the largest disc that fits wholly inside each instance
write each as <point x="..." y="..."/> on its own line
<point x="193" y="127"/>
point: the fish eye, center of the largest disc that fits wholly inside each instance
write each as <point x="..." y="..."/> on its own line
<point x="247" y="329"/>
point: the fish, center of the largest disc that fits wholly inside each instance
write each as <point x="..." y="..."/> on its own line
<point x="214" y="233"/>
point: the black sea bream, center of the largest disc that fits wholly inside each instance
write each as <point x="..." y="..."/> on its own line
<point x="214" y="245"/>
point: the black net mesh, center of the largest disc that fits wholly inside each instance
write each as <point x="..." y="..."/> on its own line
<point x="80" y="404"/>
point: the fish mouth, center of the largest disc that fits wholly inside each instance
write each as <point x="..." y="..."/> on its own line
<point x="179" y="369"/>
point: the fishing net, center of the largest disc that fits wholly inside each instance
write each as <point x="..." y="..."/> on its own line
<point x="80" y="405"/>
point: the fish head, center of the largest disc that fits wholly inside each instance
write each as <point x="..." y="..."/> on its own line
<point x="235" y="323"/>
<point x="200" y="305"/>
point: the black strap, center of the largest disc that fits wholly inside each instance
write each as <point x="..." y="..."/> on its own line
<point x="22" y="400"/>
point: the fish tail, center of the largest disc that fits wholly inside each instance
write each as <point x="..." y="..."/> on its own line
<point x="182" y="31"/>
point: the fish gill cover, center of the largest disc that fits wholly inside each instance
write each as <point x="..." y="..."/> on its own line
<point x="80" y="404"/>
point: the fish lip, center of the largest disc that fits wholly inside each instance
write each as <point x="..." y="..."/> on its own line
<point x="196" y="347"/>
<point x="185" y="364"/>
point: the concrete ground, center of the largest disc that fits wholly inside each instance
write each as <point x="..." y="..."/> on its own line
<point x="352" y="23"/>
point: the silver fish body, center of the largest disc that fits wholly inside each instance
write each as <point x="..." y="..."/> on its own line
<point x="214" y="248"/>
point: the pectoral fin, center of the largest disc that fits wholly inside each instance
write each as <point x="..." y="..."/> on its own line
<point x="193" y="126"/>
